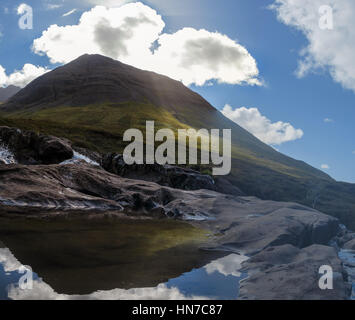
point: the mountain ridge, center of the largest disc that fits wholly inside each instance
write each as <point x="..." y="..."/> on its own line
<point x="8" y="92"/>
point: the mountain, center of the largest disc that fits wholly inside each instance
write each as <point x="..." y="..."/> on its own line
<point x="6" y="93"/>
<point x="94" y="99"/>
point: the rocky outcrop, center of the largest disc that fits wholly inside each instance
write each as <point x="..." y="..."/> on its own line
<point x="289" y="273"/>
<point x="31" y="148"/>
<point x="167" y="175"/>
<point x="244" y="223"/>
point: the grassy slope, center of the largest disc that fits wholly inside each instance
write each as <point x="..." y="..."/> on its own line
<point x="257" y="169"/>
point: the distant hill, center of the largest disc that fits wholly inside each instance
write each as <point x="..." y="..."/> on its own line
<point x="94" y="99"/>
<point x="6" y="93"/>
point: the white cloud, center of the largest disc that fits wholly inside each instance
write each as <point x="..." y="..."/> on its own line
<point x="229" y="265"/>
<point x="69" y="13"/>
<point x="22" y="77"/>
<point x="328" y="120"/>
<point x="128" y="34"/>
<point x="331" y="50"/>
<point x="42" y="291"/>
<point x="197" y="56"/>
<point x="353" y="152"/>
<point x="253" y="121"/>
<point x="325" y="166"/>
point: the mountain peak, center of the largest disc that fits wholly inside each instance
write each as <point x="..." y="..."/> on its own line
<point x="94" y="79"/>
<point x="93" y="58"/>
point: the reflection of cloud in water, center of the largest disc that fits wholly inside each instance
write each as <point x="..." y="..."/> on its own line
<point x="8" y="260"/>
<point x="42" y="291"/>
<point x="229" y="265"/>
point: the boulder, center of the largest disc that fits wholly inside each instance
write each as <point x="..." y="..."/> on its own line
<point x="53" y="150"/>
<point x="289" y="273"/>
<point x="32" y="148"/>
<point x="166" y="175"/>
<point x="253" y="225"/>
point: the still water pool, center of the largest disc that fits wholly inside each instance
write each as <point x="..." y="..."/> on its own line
<point x="114" y="259"/>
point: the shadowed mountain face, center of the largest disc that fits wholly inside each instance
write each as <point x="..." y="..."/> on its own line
<point x="94" y="99"/>
<point x="6" y="93"/>
<point x="94" y="79"/>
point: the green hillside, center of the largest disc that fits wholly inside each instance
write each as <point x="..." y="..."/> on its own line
<point x="256" y="168"/>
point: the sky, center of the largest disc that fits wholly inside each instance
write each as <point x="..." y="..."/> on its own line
<point x="282" y="69"/>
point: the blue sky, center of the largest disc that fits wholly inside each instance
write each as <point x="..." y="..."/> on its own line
<point x="303" y="102"/>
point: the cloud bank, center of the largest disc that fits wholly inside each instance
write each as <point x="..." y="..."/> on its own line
<point x="21" y="78"/>
<point x="331" y="50"/>
<point x="253" y="121"/>
<point x="133" y="34"/>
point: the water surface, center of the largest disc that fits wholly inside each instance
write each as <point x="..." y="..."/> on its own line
<point x="114" y="259"/>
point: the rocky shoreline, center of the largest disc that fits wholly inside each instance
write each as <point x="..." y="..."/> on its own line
<point x="287" y="243"/>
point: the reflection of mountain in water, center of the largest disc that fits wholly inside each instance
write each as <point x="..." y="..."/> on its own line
<point x="81" y="256"/>
<point x="201" y="284"/>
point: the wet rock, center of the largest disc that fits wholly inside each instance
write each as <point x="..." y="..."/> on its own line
<point x="289" y="273"/>
<point x="32" y="148"/>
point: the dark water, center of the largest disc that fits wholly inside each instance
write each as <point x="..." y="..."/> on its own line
<point x="114" y="259"/>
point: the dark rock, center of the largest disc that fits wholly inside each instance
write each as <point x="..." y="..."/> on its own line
<point x="165" y="175"/>
<point x="31" y="148"/>
<point x="289" y="273"/>
<point x="53" y="150"/>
